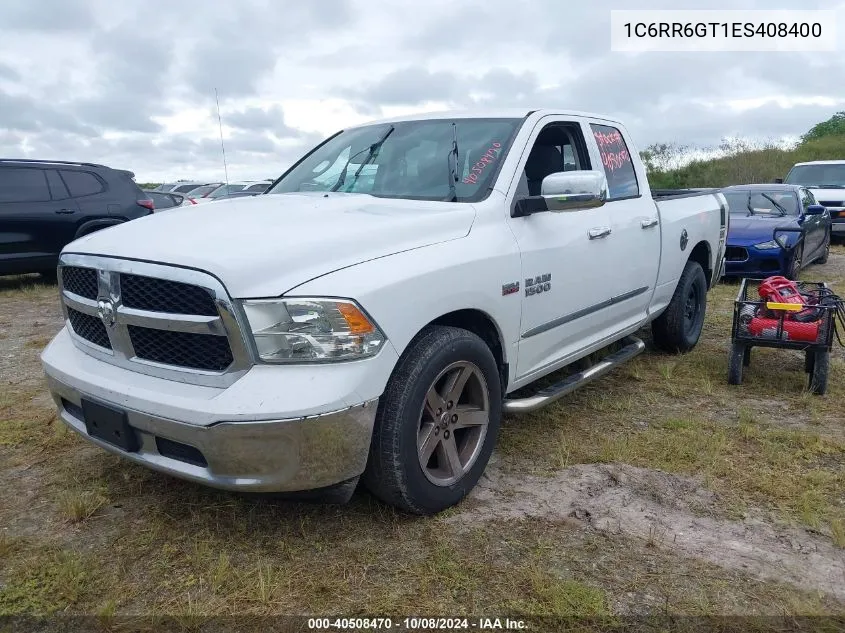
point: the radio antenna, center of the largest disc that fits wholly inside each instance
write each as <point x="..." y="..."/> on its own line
<point x="222" y="146"/>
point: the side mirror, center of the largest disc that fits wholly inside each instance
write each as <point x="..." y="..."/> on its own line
<point x="779" y="181"/>
<point x="815" y="209"/>
<point x="566" y="191"/>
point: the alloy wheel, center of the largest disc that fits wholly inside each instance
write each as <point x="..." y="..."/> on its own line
<point x="453" y="423"/>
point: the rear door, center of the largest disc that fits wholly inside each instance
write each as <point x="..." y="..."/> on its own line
<point x="633" y="259"/>
<point x="33" y="223"/>
<point x="89" y="192"/>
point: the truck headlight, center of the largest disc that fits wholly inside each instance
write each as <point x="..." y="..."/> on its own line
<point x="311" y="330"/>
<point x="779" y="242"/>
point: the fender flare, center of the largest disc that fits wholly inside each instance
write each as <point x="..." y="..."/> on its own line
<point x="95" y="225"/>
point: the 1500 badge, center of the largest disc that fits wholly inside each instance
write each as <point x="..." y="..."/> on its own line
<point x="539" y="284"/>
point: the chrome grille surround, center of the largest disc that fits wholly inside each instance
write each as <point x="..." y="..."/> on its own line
<point x="227" y="323"/>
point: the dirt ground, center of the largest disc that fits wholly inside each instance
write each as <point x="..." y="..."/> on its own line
<point x="656" y="490"/>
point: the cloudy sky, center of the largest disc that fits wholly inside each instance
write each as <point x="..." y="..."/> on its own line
<point x="131" y="83"/>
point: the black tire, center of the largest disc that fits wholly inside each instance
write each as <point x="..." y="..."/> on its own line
<point x="821" y="367"/>
<point x="809" y="361"/>
<point x="825" y="251"/>
<point x="394" y="472"/>
<point x="795" y="262"/>
<point x="674" y="331"/>
<point x="50" y="276"/>
<point x="746" y="356"/>
<point x="735" y="363"/>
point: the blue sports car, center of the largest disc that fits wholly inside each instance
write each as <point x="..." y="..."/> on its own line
<point x="774" y="230"/>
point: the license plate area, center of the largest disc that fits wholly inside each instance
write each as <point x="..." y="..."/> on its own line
<point x="109" y="424"/>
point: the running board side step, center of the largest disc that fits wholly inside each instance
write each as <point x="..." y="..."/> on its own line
<point x="633" y="347"/>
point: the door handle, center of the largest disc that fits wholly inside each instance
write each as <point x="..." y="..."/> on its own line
<point x="600" y="232"/>
<point x="647" y="224"/>
<point x="65" y="211"/>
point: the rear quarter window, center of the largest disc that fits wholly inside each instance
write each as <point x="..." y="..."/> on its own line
<point x="617" y="162"/>
<point x="81" y="183"/>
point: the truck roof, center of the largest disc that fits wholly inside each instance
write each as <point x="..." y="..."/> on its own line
<point x="821" y="162"/>
<point x="482" y="113"/>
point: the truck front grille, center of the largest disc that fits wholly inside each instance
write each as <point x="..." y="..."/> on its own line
<point x="163" y="295"/>
<point x="154" y="319"/>
<point x="80" y="281"/>
<point x="88" y="327"/>
<point x="183" y="349"/>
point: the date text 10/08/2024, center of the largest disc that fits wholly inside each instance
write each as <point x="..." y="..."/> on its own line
<point x="416" y="624"/>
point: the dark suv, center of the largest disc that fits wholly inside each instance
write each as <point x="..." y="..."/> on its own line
<point x="44" y="205"/>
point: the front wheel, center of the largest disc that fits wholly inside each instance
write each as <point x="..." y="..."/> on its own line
<point x="795" y="262"/>
<point x="679" y="327"/>
<point x="825" y="251"/>
<point x="437" y="422"/>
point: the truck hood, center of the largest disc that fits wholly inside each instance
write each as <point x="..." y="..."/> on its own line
<point x="265" y="245"/>
<point x="823" y="194"/>
<point x="745" y="231"/>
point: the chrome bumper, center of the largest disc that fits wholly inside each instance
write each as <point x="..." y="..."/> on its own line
<point x="287" y="455"/>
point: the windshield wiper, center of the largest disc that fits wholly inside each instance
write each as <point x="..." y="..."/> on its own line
<point x="452" y="160"/>
<point x="372" y="152"/>
<point x="748" y="205"/>
<point x="772" y="200"/>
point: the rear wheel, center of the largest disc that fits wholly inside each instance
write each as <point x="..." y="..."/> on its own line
<point x="735" y="363"/>
<point x="679" y="327"/>
<point x="818" y="378"/>
<point x="437" y="422"/>
<point x="809" y="361"/>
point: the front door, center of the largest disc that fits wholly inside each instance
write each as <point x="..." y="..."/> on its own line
<point x="815" y="226"/>
<point x="564" y="254"/>
<point x="34" y="226"/>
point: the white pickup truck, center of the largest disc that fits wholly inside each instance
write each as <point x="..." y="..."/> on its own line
<point x="826" y="181"/>
<point x="372" y="315"/>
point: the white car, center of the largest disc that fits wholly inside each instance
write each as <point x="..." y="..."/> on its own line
<point x="163" y="200"/>
<point x="377" y="327"/>
<point x="826" y="180"/>
<point x="241" y="187"/>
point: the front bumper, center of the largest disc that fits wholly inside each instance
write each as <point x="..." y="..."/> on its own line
<point x="238" y="438"/>
<point x="755" y="262"/>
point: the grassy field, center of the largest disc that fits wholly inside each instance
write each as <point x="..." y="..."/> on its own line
<point x="656" y="490"/>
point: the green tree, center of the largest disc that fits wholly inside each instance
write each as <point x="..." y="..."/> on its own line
<point x="834" y="126"/>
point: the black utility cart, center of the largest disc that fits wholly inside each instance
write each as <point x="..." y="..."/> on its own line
<point x="777" y="330"/>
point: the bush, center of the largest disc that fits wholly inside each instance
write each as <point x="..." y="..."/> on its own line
<point x="741" y="162"/>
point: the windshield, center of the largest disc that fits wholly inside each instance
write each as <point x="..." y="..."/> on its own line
<point x="817" y="176"/>
<point x="411" y="162"/>
<point x="762" y="203"/>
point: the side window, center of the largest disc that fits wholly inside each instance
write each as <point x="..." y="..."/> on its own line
<point x="807" y="198"/>
<point x="618" y="166"/>
<point x="81" y="183"/>
<point x="23" y="185"/>
<point x="559" y="147"/>
<point x="57" y="187"/>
